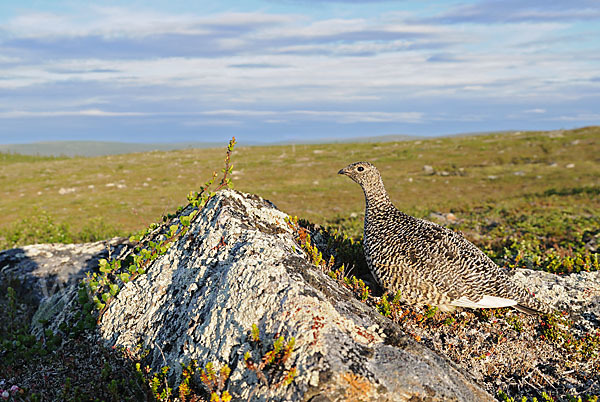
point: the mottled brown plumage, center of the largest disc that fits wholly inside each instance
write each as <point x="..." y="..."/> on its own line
<point x="428" y="263"/>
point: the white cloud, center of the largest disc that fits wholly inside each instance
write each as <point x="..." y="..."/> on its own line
<point x="110" y="22"/>
<point x="325" y="115"/>
<point x="311" y="69"/>
<point x="581" y="117"/>
<point x="211" y="123"/>
<point x="16" y="114"/>
<point x="362" y="117"/>
<point x="222" y="115"/>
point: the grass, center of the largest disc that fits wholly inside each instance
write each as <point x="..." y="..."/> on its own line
<point x="129" y="191"/>
<point x="11" y="157"/>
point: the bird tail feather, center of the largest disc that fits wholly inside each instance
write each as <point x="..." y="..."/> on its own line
<point x="526" y="310"/>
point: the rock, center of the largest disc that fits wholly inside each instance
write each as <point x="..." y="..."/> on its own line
<point x="63" y="191"/>
<point x="450" y="217"/>
<point x="42" y="270"/>
<point x="578" y="294"/>
<point x="428" y="170"/>
<point x="444" y="219"/>
<point x="240" y="265"/>
<point x="556" y="134"/>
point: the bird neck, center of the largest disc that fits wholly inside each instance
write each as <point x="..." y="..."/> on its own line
<point x="376" y="197"/>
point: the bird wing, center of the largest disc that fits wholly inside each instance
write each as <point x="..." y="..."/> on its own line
<point x="474" y="275"/>
<point x="452" y="266"/>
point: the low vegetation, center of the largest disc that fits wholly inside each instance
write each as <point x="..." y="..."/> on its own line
<point x="129" y="191"/>
<point x="529" y="200"/>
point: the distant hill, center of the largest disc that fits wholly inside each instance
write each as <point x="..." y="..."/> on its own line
<point x="377" y="138"/>
<point x="102" y="148"/>
<point x="98" y="148"/>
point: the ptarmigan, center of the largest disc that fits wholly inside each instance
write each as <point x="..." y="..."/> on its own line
<point x="428" y="263"/>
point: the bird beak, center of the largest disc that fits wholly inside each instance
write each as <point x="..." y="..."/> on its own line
<point x="343" y="171"/>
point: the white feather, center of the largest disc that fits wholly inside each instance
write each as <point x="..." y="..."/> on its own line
<point x="485" y="302"/>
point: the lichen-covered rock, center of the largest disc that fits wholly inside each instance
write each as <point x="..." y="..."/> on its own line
<point x="239" y="265"/>
<point x="42" y="270"/>
<point x="578" y="293"/>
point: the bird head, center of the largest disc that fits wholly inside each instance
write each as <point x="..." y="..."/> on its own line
<point x="361" y="172"/>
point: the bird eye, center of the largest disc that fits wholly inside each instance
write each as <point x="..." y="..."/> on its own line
<point x="360" y="168"/>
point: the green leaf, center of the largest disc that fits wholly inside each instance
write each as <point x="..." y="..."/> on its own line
<point x="93" y="285"/>
<point x="105" y="296"/>
<point x="255" y="333"/>
<point x="103" y="265"/>
<point x="114" y="289"/>
<point x="82" y="295"/>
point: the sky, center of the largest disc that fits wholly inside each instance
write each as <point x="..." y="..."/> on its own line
<point x="283" y="70"/>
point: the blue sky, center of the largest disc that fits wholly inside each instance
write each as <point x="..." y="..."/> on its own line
<point x="280" y="70"/>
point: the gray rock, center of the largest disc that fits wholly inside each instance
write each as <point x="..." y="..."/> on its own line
<point x="240" y="265"/>
<point x="444" y="219"/>
<point x="428" y="170"/>
<point x="41" y="270"/>
<point x="578" y="294"/>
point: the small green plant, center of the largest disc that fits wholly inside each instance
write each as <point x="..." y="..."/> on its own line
<point x="503" y="396"/>
<point x="387" y="308"/>
<point x="337" y="244"/>
<point x="153" y="242"/>
<point x="37" y="227"/>
<point x="304" y="240"/>
<point x="12" y="305"/>
<point x="384" y="307"/>
<point x="97" y="229"/>
<point x="160" y="386"/>
<point x="516" y="323"/>
<point x="430" y="312"/>
<point x="255" y="333"/>
<point x="358" y="286"/>
<point x="271" y="365"/>
<point x="214" y="381"/>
